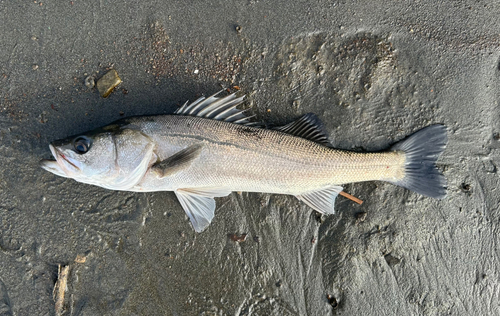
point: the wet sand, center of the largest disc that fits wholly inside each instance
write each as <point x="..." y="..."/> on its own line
<point x="373" y="73"/>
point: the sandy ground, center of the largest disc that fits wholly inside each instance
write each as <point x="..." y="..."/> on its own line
<point x="372" y="72"/>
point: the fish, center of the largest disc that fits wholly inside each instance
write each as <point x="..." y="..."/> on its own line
<point x="210" y="148"/>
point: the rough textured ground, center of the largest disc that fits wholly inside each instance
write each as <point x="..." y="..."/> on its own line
<point x="372" y="72"/>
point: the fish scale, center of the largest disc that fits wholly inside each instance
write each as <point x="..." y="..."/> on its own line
<point x="268" y="159"/>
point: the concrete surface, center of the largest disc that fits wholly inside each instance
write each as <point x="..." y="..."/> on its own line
<point x="373" y="72"/>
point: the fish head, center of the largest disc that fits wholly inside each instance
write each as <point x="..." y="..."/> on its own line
<point x="111" y="157"/>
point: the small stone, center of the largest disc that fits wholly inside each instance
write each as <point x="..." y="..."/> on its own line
<point x="332" y="301"/>
<point x="34" y="67"/>
<point x="391" y="260"/>
<point x="489" y="166"/>
<point x="80" y="259"/>
<point x="240" y="238"/>
<point x="361" y="216"/>
<point x="89" y="82"/>
<point x="108" y="82"/>
<point x="43" y="117"/>
<point x="466" y="188"/>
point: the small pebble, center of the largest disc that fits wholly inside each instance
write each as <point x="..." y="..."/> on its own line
<point x="361" y="216"/>
<point x="237" y="238"/>
<point x="332" y="301"/>
<point x="89" y="82"/>
<point x="108" y="82"/>
<point x="34" y="67"/>
<point x="466" y="188"/>
<point x="80" y="259"/>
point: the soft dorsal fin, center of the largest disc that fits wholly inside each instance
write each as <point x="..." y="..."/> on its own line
<point x="322" y="201"/>
<point x="221" y="109"/>
<point x="309" y="127"/>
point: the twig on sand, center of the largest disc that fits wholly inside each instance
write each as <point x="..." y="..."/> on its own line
<point x="350" y="197"/>
<point x="60" y="289"/>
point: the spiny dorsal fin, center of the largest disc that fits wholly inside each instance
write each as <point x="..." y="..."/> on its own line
<point x="221" y="109"/>
<point x="322" y="201"/>
<point x="309" y="127"/>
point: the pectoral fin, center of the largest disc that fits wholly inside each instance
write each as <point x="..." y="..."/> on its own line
<point x="199" y="204"/>
<point x="322" y="201"/>
<point x="177" y="162"/>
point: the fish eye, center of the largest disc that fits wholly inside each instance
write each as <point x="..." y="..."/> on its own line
<point x="81" y="144"/>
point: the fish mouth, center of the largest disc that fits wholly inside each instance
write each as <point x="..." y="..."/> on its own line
<point x="61" y="166"/>
<point x="53" y="167"/>
<point x="57" y="154"/>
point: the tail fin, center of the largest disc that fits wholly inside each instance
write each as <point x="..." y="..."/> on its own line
<point x="422" y="151"/>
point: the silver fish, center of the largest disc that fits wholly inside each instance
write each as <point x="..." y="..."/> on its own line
<point x="209" y="149"/>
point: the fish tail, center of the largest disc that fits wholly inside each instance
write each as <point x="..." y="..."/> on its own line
<point x="422" y="150"/>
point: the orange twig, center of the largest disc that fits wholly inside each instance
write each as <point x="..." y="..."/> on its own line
<point x="350" y="197"/>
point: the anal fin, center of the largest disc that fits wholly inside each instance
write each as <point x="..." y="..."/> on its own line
<point x="322" y="201"/>
<point x="199" y="204"/>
